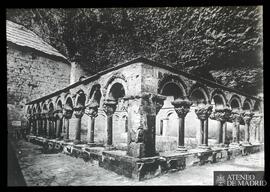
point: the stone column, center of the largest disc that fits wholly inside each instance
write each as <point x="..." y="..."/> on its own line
<point x="67" y="113"/>
<point x="182" y="108"/>
<point x="32" y="124"/>
<point x="38" y="124"/>
<point x="47" y="125"/>
<point x="59" y="119"/>
<point x="247" y="116"/>
<point x="92" y="112"/>
<point x="78" y="113"/>
<point x="51" y="124"/>
<point x="203" y="113"/>
<point x="221" y="115"/>
<point x="28" y="117"/>
<point x="44" y="124"/>
<point x="109" y="108"/>
<point x="236" y="118"/>
<point x="257" y="124"/>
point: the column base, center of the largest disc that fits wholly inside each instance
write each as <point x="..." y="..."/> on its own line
<point x="234" y="144"/>
<point x="76" y="142"/>
<point x="92" y="144"/>
<point x="205" y="147"/>
<point x="222" y="145"/>
<point x="181" y="149"/>
<point x="246" y="143"/>
<point x="109" y="147"/>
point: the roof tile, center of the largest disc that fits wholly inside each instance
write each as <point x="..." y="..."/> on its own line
<point x="22" y="36"/>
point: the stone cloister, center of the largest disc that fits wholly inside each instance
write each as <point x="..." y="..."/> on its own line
<point x="143" y="110"/>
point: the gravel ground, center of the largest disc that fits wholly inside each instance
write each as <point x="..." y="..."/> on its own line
<point x="62" y="170"/>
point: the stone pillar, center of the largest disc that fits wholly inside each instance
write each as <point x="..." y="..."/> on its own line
<point x="109" y="108"/>
<point x="255" y="122"/>
<point x="258" y="131"/>
<point x="142" y="110"/>
<point x="182" y="108"/>
<point x="247" y="116"/>
<point x="59" y="118"/>
<point x="32" y="119"/>
<point x="38" y="125"/>
<point x="221" y="115"/>
<point x="28" y="131"/>
<point x="78" y="113"/>
<point x="236" y="118"/>
<point x="67" y="114"/>
<point x="203" y="113"/>
<point x="51" y="124"/>
<point x="92" y="112"/>
<point x="47" y="125"/>
<point x="44" y="124"/>
<point x="34" y="124"/>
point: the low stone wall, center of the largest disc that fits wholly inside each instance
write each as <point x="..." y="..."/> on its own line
<point x="143" y="168"/>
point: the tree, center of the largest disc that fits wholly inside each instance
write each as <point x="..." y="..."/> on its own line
<point x="193" y="39"/>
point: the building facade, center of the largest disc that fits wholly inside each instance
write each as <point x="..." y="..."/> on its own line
<point x="34" y="69"/>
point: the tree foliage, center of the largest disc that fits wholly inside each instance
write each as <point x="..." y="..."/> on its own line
<point x="194" y="39"/>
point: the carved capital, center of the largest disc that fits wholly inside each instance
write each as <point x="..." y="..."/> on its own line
<point x="256" y="119"/>
<point x="204" y="112"/>
<point x="109" y="107"/>
<point x="247" y="116"/>
<point x="38" y="116"/>
<point x="51" y="115"/>
<point x="236" y="117"/>
<point x="181" y="107"/>
<point x="222" y="115"/>
<point x="78" y="111"/>
<point x="67" y="111"/>
<point x="158" y="100"/>
<point x="92" y="109"/>
<point x="43" y="116"/>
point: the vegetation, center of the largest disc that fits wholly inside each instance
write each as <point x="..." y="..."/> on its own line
<point x="209" y="41"/>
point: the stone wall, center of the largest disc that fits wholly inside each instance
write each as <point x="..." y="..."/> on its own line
<point x="31" y="75"/>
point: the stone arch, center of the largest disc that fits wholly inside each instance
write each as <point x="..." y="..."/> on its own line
<point x="68" y="100"/>
<point x="170" y="80"/>
<point x="59" y="104"/>
<point x="218" y="98"/>
<point x="80" y="98"/>
<point x="94" y="93"/>
<point x="198" y="93"/>
<point x="117" y="77"/>
<point x="116" y="90"/>
<point x="51" y="106"/>
<point x="257" y="106"/>
<point x="34" y="109"/>
<point x="38" y="108"/>
<point x="44" y="108"/>
<point x="235" y="102"/>
<point x="247" y="104"/>
<point x="58" y="99"/>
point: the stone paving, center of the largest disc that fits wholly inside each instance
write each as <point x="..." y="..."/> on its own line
<point x="62" y="170"/>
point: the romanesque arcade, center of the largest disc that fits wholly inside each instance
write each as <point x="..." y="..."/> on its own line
<point x="145" y="109"/>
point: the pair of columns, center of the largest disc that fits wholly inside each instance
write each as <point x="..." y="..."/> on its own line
<point x="182" y="107"/>
<point x="222" y="116"/>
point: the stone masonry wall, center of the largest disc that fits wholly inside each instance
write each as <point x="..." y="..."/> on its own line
<point x="31" y="76"/>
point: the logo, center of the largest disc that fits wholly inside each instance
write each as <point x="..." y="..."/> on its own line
<point x="220" y="181"/>
<point x="239" y="178"/>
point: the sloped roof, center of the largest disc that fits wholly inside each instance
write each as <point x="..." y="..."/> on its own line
<point x="22" y="36"/>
